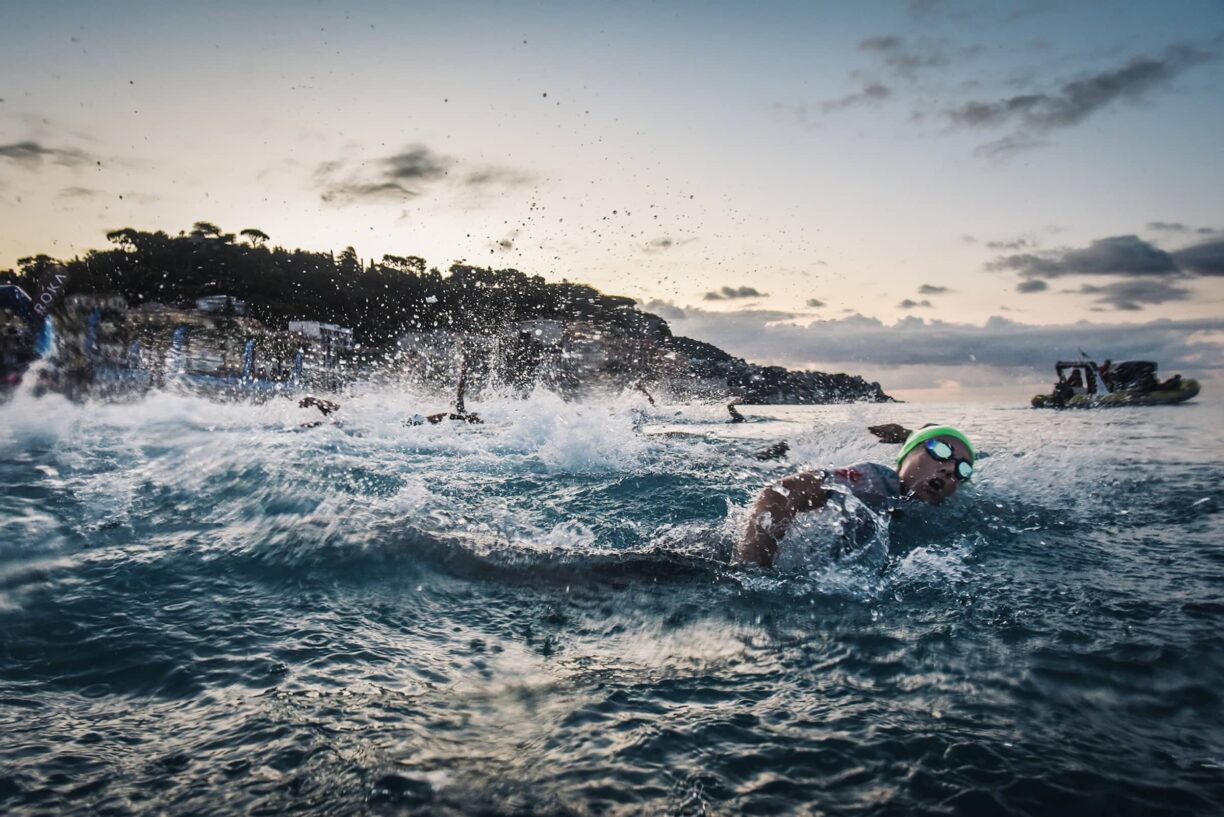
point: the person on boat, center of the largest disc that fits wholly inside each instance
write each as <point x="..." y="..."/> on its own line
<point x="1107" y="375"/>
<point x="933" y="463"/>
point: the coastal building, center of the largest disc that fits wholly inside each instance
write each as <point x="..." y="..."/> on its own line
<point x="221" y="305"/>
<point x="331" y="337"/>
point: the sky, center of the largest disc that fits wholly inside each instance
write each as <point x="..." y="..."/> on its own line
<point x="945" y="196"/>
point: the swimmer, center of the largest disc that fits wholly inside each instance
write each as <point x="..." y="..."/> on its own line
<point x="736" y="417"/>
<point x="933" y="462"/>
<point x="325" y="406"/>
<point x="460" y="412"/>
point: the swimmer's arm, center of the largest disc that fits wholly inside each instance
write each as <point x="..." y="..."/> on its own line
<point x="891" y="433"/>
<point x="772" y="514"/>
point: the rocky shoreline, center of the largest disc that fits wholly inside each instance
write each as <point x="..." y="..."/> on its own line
<point x="202" y="309"/>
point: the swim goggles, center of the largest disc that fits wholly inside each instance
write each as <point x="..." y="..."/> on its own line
<point x="940" y="450"/>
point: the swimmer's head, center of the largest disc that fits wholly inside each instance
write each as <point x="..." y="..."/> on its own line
<point x="934" y="462"/>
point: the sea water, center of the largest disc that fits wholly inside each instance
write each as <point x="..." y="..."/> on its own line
<point x="204" y="610"/>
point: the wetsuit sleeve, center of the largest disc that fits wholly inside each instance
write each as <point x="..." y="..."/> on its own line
<point x="772" y="513"/>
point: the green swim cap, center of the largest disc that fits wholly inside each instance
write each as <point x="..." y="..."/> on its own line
<point x="923" y="434"/>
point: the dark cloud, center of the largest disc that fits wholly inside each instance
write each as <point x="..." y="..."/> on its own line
<point x="1007" y="147"/>
<point x="906" y="58"/>
<point x="1202" y="259"/>
<point x="1032" y="285"/>
<point x="1131" y="295"/>
<point x="911" y="304"/>
<point x="815" y="303"/>
<point x="1018" y="244"/>
<point x="1168" y="226"/>
<point x="731" y="293"/>
<point x="32" y="154"/>
<point x="79" y="193"/>
<point x="407" y="174"/>
<point x="871" y="94"/>
<point x="1078" y="99"/>
<point x="931" y="289"/>
<point x="1119" y="255"/>
<point x="349" y="191"/>
<point x="417" y="163"/>
<point x="665" y="243"/>
<point x="498" y="176"/>
<point x="664" y="309"/>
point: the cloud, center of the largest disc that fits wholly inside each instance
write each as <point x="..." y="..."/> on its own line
<point x="999" y="345"/>
<point x="350" y="191"/>
<point x="407" y="174"/>
<point x="906" y="58"/>
<point x="665" y="243"/>
<point x="32" y="154"/>
<point x="1130" y="295"/>
<point x="1202" y="259"/>
<point x="1178" y="227"/>
<point x="76" y="192"/>
<point x="1007" y="147"/>
<point x="664" y="309"/>
<point x="498" y="177"/>
<point x="505" y="244"/>
<point x="731" y="293"/>
<point x="417" y="163"/>
<point x="815" y="303"/>
<point x="871" y="94"/>
<point x="1145" y="270"/>
<point x="1018" y="244"/>
<point x="931" y="289"/>
<point x="911" y="304"/>
<point x="1118" y="255"/>
<point x="1079" y="99"/>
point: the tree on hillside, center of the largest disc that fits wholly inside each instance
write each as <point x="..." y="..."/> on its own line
<point x="124" y="239"/>
<point x="205" y="229"/>
<point x="411" y="264"/>
<point x="255" y="236"/>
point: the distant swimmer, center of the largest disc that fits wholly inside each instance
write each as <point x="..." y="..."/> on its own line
<point x="460" y="413"/>
<point x="776" y="451"/>
<point x="736" y="417"/>
<point x="325" y="406"/>
<point x="933" y="463"/>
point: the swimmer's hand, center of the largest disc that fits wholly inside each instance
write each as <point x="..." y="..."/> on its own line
<point x="325" y="406"/>
<point x="891" y="433"/>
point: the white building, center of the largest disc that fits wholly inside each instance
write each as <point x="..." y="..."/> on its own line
<point x="217" y="304"/>
<point x="334" y="338"/>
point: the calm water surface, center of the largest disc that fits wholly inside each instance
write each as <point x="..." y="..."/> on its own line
<point x="202" y="612"/>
